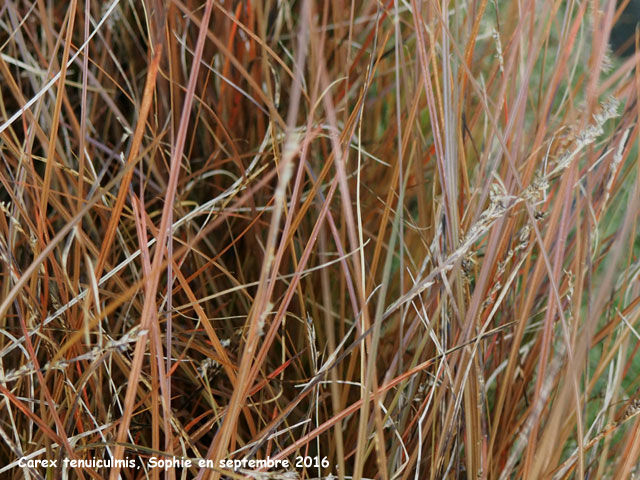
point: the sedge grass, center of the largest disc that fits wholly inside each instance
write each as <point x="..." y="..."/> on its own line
<point x="397" y="238"/>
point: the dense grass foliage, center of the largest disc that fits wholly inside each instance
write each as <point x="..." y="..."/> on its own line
<point x="401" y="236"/>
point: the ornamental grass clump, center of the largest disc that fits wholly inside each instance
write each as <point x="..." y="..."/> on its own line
<point x="350" y="240"/>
